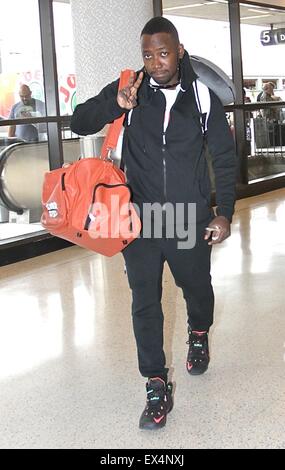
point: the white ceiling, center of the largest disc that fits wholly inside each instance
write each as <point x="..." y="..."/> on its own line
<point x="218" y="10"/>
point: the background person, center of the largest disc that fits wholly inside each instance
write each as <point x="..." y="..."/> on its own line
<point x="271" y="114"/>
<point x="26" y="108"/>
<point x="264" y="87"/>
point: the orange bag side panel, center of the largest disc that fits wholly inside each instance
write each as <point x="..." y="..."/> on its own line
<point x="69" y="204"/>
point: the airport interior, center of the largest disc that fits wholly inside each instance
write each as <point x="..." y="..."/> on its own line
<point x="69" y="374"/>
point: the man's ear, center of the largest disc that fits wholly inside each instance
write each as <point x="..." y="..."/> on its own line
<point x="181" y="51"/>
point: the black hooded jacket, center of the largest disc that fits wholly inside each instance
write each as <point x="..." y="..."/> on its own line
<point x="175" y="171"/>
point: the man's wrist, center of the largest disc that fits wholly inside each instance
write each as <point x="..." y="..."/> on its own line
<point x="226" y="213"/>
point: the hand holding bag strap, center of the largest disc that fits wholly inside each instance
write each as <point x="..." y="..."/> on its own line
<point x="111" y="139"/>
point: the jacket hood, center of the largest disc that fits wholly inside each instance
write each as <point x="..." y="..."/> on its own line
<point x="186" y="72"/>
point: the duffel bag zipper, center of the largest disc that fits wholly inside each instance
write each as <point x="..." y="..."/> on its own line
<point x="88" y="219"/>
<point x="63" y="181"/>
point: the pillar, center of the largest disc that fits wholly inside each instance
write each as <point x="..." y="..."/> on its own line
<point x="106" y="40"/>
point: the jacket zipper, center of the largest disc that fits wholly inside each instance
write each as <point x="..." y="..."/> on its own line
<point x="164" y="161"/>
<point x="164" y="179"/>
<point x="164" y="165"/>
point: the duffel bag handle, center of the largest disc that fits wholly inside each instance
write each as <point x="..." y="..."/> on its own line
<point x="111" y="139"/>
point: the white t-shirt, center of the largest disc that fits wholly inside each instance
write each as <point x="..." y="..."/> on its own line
<point x="170" y="97"/>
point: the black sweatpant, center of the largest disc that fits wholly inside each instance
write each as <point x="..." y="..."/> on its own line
<point x="144" y="259"/>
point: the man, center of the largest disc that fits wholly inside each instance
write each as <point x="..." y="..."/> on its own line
<point x="267" y="91"/>
<point x="26" y="108"/>
<point x="163" y="153"/>
<point x="271" y="114"/>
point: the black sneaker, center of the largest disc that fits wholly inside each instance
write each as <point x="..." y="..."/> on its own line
<point x="159" y="403"/>
<point x="198" y="354"/>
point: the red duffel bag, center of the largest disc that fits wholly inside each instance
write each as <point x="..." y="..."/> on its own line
<point x="89" y="203"/>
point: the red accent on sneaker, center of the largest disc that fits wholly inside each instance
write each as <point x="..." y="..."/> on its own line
<point x="189" y="365"/>
<point x="156" y="378"/>
<point x="157" y="420"/>
<point x="199" y="333"/>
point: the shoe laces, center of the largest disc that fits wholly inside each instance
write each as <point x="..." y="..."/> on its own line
<point x="156" y="396"/>
<point x="198" y="343"/>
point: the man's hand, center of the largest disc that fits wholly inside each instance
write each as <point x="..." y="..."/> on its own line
<point x="127" y="97"/>
<point x="218" y="230"/>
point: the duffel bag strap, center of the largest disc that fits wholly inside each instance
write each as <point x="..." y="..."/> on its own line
<point x="111" y="139"/>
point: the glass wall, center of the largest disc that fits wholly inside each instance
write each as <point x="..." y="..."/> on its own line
<point x="24" y="146"/>
<point x="65" y="57"/>
<point x="263" y="74"/>
<point x="21" y="72"/>
<point x="66" y="75"/>
<point x="201" y="35"/>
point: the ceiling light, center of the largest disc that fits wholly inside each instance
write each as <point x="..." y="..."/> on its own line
<point x="257" y="11"/>
<point x="252" y="17"/>
<point x="184" y="6"/>
<point x="251" y="6"/>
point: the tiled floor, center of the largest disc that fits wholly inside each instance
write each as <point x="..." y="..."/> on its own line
<point x="68" y="370"/>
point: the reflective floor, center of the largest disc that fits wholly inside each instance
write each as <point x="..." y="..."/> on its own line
<point x="68" y="369"/>
<point x="12" y="230"/>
